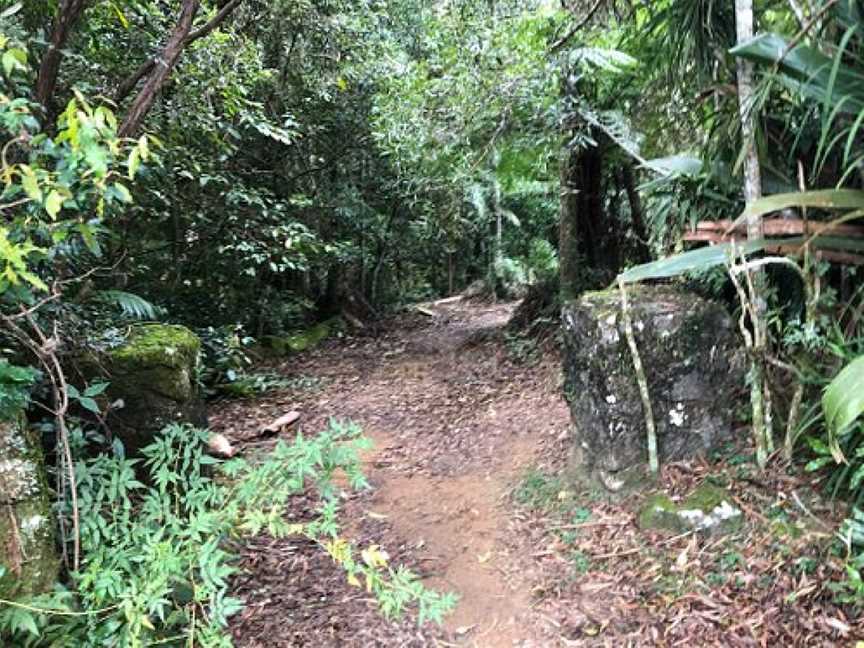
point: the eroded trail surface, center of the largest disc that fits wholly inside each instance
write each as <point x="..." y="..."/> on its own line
<point x="455" y="423"/>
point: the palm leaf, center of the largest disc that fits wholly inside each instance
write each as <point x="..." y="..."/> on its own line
<point x="843" y="402"/>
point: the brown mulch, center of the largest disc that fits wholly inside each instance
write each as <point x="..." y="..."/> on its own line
<point x="457" y="422"/>
<point x="770" y="584"/>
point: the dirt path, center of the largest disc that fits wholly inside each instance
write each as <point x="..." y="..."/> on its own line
<point x="455" y="425"/>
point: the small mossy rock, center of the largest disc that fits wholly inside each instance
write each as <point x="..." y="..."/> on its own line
<point x="707" y="510"/>
<point x="659" y="513"/>
<point x="154" y="374"/>
<point x="28" y="552"/>
<point x="693" y="366"/>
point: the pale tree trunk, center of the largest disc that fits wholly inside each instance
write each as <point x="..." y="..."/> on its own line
<point x="760" y="397"/>
<point x="499" y="224"/>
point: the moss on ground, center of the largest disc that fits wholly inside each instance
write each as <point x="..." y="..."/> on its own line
<point x="303" y="340"/>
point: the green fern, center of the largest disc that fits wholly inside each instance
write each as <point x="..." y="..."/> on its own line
<point x="130" y="304"/>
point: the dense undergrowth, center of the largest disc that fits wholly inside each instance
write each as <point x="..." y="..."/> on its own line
<point x="159" y="537"/>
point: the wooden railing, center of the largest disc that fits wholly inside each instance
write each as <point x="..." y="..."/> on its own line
<point x="721" y="232"/>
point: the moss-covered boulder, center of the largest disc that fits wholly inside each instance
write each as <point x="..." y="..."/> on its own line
<point x="28" y="554"/>
<point x="693" y="365"/>
<point x="708" y="510"/>
<point x="153" y="379"/>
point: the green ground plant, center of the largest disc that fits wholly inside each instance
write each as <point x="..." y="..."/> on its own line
<point x="159" y="538"/>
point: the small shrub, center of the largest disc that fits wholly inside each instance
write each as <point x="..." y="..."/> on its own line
<point x="157" y="553"/>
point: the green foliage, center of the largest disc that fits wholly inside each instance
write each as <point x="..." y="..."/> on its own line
<point x="15" y="384"/>
<point x="843" y="401"/>
<point x="132" y="306"/>
<point x="158" y="551"/>
<point x="851" y="590"/>
<point x="542" y="261"/>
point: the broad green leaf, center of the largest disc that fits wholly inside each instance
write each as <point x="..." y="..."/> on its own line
<point x="843" y="400"/>
<point x="821" y="199"/>
<point x="90" y="239"/>
<point x="14" y="59"/>
<point x="89" y="404"/>
<point x="134" y="163"/>
<point x="808" y="70"/>
<point x="53" y="204"/>
<point x="701" y="259"/>
<point x="125" y="195"/>
<point x="675" y="165"/>
<point x="30" y="184"/>
<point x="8" y="13"/>
<point x="96" y="389"/>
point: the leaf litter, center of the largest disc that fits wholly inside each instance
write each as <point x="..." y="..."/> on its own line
<point x="459" y="424"/>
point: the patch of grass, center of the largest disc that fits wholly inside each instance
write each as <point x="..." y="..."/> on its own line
<point x="539" y="490"/>
<point x="580" y="562"/>
<point x="731" y="560"/>
<point x="715" y="579"/>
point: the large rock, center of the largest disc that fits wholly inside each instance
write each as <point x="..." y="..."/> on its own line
<point x="692" y="363"/>
<point x="28" y="552"/>
<point x="154" y="375"/>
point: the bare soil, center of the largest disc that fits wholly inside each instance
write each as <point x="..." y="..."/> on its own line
<point x="459" y="417"/>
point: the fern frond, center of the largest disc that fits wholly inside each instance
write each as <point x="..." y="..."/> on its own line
<point x="130" y="304"/>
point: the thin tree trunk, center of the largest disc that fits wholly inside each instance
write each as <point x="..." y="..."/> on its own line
<point x="636" y="214"/>
<point x="568" y="227"/>
<point x="450" y="270"/>
<point x="161" y="70"/>
<point x="68" y="14"/>
<point x="752" y="173"/>
<point x="760" y="398"/>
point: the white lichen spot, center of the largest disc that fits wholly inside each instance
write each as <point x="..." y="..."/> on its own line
<point x="677" y="415"/>
<point x="700" y="521"/>
<point x="609" y="334"/>
<point x="30" y="526"/>
<point x="640" y="325"/>
<point x="611" y="399"/>
<point x="20" y="477"/>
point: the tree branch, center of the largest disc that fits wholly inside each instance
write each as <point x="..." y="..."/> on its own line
<point x="68" y="14"/>
<point x="128" y="85"/>
<point x="162" y="67"/>
<point x="561" y="42"/>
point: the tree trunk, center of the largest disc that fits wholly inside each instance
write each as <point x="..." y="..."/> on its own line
<point x="760" y="396"/>
<point x="568" y="232"/>
<point x="752" y="173"/>
<point x="161" y="70"/>
<point x="636" y="216"/>
<point x="46" y="82"/>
